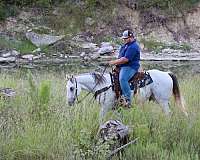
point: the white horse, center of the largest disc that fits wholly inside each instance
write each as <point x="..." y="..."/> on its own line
<point x="164" y="85"/>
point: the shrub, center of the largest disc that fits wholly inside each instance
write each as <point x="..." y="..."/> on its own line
<point x="40" y="97"/>
<point x="172" y="6"/>
<point x="153" y="45"/>
<point x="2" y="11"/>
<point x="183" y="46"/>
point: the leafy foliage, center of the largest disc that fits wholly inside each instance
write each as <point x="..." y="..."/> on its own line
<point x="171" y="5"/>
<point x="2" y="11"/>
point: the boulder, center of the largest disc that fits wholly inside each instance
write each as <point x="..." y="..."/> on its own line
<point x="28" y="56"/>
<point x="7" y="60"/>
<point x="6" y="54"/>
<point x="42" y="39"/>
<point x="87" y="45"/>
<point x="89" y="21"/>
<point x="106" y="48"/>
<point x="7" y="92"/>
<point x="113" y="130"/>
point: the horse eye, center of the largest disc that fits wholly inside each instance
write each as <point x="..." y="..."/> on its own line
<point x="71" y="89"/>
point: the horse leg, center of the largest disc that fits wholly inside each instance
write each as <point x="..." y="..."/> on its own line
<point x="165" y="106"/>
<point x="104" y="110"/>
<point x="143" y="95"/>
<point x="139" y="100"/>
<point x="163" y="100"/>
<point x="181" y="105"/>
<point x="106" y="104"/>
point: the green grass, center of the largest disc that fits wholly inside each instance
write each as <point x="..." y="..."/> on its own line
<point x="157" y="46"/>
<point x="38" y="124"/>
<point x="23" y="47"/>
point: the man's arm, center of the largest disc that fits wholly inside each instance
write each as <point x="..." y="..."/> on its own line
<point x="122" y="60"/>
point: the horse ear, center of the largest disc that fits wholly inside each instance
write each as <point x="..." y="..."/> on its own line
<point x="69" y="77"/>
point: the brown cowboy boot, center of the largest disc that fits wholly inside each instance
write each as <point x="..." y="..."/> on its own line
<point x="122" y="101"/>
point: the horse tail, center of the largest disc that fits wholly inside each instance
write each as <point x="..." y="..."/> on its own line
<point x="177" y="95"/>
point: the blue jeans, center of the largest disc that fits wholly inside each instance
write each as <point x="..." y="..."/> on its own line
<point x="126" y="73"/>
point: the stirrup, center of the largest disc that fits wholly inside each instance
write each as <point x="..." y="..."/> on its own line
<point x="122" y="101"/>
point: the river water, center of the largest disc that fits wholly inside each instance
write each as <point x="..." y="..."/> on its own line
<point x="180" y="68"/>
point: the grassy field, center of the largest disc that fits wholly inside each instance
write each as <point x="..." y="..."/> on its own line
<point x="38" y="124"/>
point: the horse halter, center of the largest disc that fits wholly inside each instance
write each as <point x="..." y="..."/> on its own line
<point x="76" y="89"/>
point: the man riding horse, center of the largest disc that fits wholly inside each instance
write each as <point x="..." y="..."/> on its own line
<point x="129" y="62"/>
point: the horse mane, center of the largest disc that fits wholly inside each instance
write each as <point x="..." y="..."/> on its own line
<point x="99" y="78"/>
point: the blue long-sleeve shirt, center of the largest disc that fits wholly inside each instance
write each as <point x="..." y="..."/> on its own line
<point x="131" y="51"/>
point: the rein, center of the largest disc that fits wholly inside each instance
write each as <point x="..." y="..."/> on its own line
<point x="79" y="101"/>
<point x="101" y="91"/>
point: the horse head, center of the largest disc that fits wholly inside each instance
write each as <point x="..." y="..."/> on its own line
<point x="73" y="89"/>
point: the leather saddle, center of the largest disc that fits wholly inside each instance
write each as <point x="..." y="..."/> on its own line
<point x="139" y="80"/>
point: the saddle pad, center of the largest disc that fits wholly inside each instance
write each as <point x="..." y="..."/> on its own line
<point x="146" y="80"/>
<point x="139" y="80"/>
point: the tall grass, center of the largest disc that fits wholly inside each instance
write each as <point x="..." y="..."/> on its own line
<point x="24" y="46"/>
<point x="38" y="124"/>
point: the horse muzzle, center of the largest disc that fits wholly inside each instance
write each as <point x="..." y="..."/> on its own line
<point x="71" y="102"/>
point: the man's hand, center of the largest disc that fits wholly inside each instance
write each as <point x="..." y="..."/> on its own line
<point x="111" y="63"/>
<point x="113" y="52"/>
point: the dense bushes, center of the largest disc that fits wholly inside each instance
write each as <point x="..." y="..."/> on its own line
<point x="163" y="4"/>
<point x="171" y="6"/>
<point x="26" y="2"/>
<point x="2" y="11"/>
<point x="11" y="7"/>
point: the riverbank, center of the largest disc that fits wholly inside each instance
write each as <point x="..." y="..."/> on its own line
<point x="91" y="52"/>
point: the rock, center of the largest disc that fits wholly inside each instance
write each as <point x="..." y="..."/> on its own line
<point x="114" y="133"/>
<point x="106" y="48"/>
<point x="37" y="57"/>
<point x="89" y="21"/>
<point x="94" y="56"/>
<point x="86" y="45"/>
<point x="15" y="53"/>
<point x="42" y="39"/>
<point x="36" y="50"/>
<point x="28" y="57"/>
<point x="7" y="60"/>
<point x="82" y="54"/>
<point x="83" y="37"/>
<point x="24" y="15"/>
<point x="113" y="130"/>
<point x="7" y="92"/>
<point x="57" y="12"/>
<point x="5" y="55"/>
<point x="10" y="53"/>
<point x="106" y="44"/>
<point x="168" y="50"/>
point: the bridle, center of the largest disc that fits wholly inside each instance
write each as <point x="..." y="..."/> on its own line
<point x="76" y="88"/>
